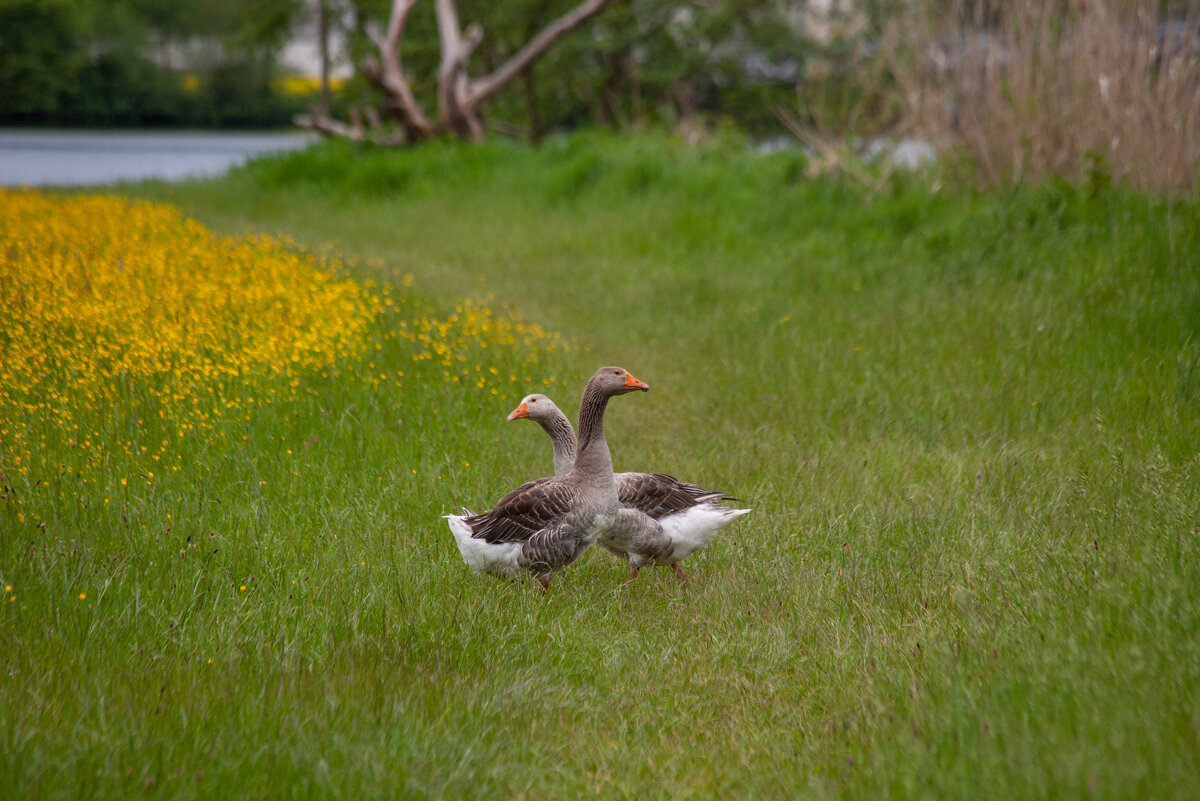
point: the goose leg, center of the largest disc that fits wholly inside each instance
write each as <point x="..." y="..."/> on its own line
<point x="635" y="564"/>
<point x="544" y="579"/>
<point x="679" y="574"/>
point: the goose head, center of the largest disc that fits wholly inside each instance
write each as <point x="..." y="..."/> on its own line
<point x="535" y="407"/>
<point x="616" y="381"/>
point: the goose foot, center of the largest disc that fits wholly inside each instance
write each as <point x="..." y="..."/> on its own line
<point x="544" y="580"/>
<point x="679" y="574"/>
<point x="633" y="574"/>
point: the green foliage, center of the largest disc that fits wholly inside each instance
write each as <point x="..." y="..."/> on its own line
<point x="38" y="54"/>
<point x="967" y="424"/>
<point x="92" y="63"/>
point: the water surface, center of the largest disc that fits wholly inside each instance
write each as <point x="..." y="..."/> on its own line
<point x="79" y="158"/>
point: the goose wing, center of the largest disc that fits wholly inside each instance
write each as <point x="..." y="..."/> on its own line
<point x="554" y="546"/>
<point x="658" y="494"/>
<point x="532" y="507"/>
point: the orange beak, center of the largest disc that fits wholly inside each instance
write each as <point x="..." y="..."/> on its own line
<point x="520" y="412"/>
<point x="632" y="383"/>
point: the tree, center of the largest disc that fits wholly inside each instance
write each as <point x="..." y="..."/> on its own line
<point x="39" y="51"/>
<point x="143" y="62"/>
<point x="460" y="98"/>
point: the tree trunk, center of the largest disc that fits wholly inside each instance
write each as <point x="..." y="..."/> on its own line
<point x="323" y="43"/>
<point x="610" y="90"/>
<point x="531" y="107"/>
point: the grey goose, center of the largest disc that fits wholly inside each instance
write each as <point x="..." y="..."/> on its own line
<point x="544" y="525"/>
<point x="662" y="519"/>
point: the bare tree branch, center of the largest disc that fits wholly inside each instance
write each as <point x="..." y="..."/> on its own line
<point x="328" y="126"/>
<point x="392" y="78"/>
<point x="483" y="88"/>
<point x="322" y="123"/>
<point x="453" y="109"/>
<point x="832" y="158"/>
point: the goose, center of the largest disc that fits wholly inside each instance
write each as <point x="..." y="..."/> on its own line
<point x="662" y="520"/>
<point x="544" y="525"/>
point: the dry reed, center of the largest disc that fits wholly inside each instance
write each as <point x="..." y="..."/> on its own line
<point x="1093" y="89"/>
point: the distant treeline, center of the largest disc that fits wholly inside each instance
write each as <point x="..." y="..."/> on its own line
<point x="198" y="63"/>
<point x="217" y="63"/>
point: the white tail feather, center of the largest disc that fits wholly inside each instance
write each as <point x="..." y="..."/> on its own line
<point x="695" y="527"/>
<point x="500" y="557"/>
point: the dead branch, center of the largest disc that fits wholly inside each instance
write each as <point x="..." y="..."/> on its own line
<point x="831" y="157"/>
<point x="328" y="126"/>
<point x="483" y="88"/>
<point x="394" y="84"/>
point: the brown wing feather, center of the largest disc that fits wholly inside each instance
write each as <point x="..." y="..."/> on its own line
<point x="659" y="495"/>
<point x="523" y="512"/>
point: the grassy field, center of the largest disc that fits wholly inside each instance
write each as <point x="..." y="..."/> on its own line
<point x="969" y="427"/>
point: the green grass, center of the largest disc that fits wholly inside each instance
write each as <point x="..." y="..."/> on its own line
<point x="968" y="426"/>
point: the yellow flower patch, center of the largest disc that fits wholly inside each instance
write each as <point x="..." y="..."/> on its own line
<point x="304" y="86"/>
<point x="137" y="344"/>
<point x="470" y="328"/>
<point x="111" y="305"/>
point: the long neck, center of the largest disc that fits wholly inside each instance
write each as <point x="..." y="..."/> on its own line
<point x="593" y="458"/>
<point x="563" y="438"/>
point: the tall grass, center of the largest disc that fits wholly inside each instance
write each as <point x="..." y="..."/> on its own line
<point x="967" y="424"/>
<point x="1034" y="90"/>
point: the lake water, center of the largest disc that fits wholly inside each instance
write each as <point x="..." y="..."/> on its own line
<point x="78" y="158"/>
